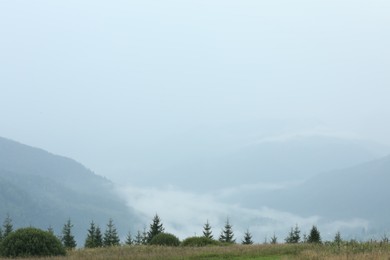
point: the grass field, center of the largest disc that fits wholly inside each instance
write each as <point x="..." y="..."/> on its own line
<point x="366" y="251"/>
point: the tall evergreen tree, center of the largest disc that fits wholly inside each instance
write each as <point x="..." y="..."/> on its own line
<point x="111" y="237"/>
<point x="227" y="234"/>
<point x="7" y="226"/>
<point x="274" y="239"/>
<point x="314" y="236"/>
<point x="207" y="230"/>
<point x="337" y="239"/>
<point x="67" y="238"/>
<point x="98" y="237"/>
<point x="294" y="235"/>
<point x="129" y="239"/>
<point x="247" y="238"/>
<point x="144" y="237"/>
<point x="94" y="237"/>
<point x="138" y="238"/>
<point x="156" y="227"/>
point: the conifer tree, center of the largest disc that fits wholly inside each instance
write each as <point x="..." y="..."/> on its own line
<point x="129" y="239"/>
<point x="294" y="235"/>
<point x="94" y="237"/>
<point x="247" y="238"/>
<point x="314" y="236"/>
<point x="207" y="230"/>
<point x="98" y="237"/>
<point x="156" y="227"/>
<point x="7" y="226"/>
<point x="337" y="239"/>
<point x="274" y="239"/>
<point x="227" y="233"/>
<point x="111" y="237"/>
<point x="67" y="238"/>
<point x="144" y="237"/>
<point x="138" y="238"/>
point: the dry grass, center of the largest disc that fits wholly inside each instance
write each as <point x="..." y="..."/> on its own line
<point x="366" y="251"/>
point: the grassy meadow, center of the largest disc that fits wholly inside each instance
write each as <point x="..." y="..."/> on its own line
<point x="366" y="251"/>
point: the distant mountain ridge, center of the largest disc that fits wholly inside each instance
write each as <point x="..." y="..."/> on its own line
<point x="41" y="189"/>
<point x="358" y="192"/>
<point x="294" y="159"/>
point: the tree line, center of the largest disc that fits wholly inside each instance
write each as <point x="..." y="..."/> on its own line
<point x="96" y="238"/>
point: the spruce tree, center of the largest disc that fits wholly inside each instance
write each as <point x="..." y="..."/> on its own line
<point x="274" y="239"/>
<point x="247" y="238"/>
<point x="111" y="237"/>
<point x="207" y="230"/>
<point x="7" y="226"/>
<point x="1" y="234"/>
<point x="314" y="236"/>
<point x="98" y="237"/>
<point x="294" y="235"/>
<point x="129" y="239"/>
<point x="67" y="238"/>
<point x="144" y="237"/>
<point x="138" y="238"/>
<point x="227" y="233"/>
<point x="94" y="237"/>
<point x="156" y="227"/>
<point x="337" y="239"/>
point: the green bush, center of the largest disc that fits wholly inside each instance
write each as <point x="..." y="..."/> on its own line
<point x="165" y="239"/>
<point x="26" y="242"/>
<point x="199" y="241"/>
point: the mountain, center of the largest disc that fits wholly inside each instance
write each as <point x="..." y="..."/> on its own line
<point x="282" y="160"/>
<point x="360" y="192"/>
<point x="41" y="189"/>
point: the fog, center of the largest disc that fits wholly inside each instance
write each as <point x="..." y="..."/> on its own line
<point x="139" y="90"/>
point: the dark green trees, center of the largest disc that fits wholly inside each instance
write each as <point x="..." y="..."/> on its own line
<point x="28" y="242"/>
<point x="7" y="227"/>
<point x="337" y="239"/>
<point x="129" y="239"/>
<point x="138" y="238"/>
<point x="314" y="236"/>
<point x="274" y="239"/>
<point x="156" y="227"/>
<point x="111" y="237"/>
<point x="247" y="238"/>
<point x="294" y="235"/>
<point x="207" y="230"/>
<point x="165" y="239"/>
<point x="67" y="238"/>
<point x="227" y="235"/>
<point x="94" y="237"/>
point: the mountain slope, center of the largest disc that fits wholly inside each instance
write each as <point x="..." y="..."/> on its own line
<point x="41" y="189"/>
<point x="360" y="191"/>
<point x="293" y="159"/>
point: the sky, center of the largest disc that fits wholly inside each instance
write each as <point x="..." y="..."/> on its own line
<point x="126" y="87"/>
<point x="116" y="83"/>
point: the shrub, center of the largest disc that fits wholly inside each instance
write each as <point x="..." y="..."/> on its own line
<point x="26" y="242"/>
<point x="165" y="239"/>
<point x="199" y="241"/>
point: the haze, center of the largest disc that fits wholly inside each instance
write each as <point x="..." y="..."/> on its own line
<point x="133" y="88"/>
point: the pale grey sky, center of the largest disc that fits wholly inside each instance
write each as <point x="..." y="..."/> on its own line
<point x="109" y="83"/>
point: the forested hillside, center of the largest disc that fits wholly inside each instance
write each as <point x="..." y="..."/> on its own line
<point x="41" y="189"/>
